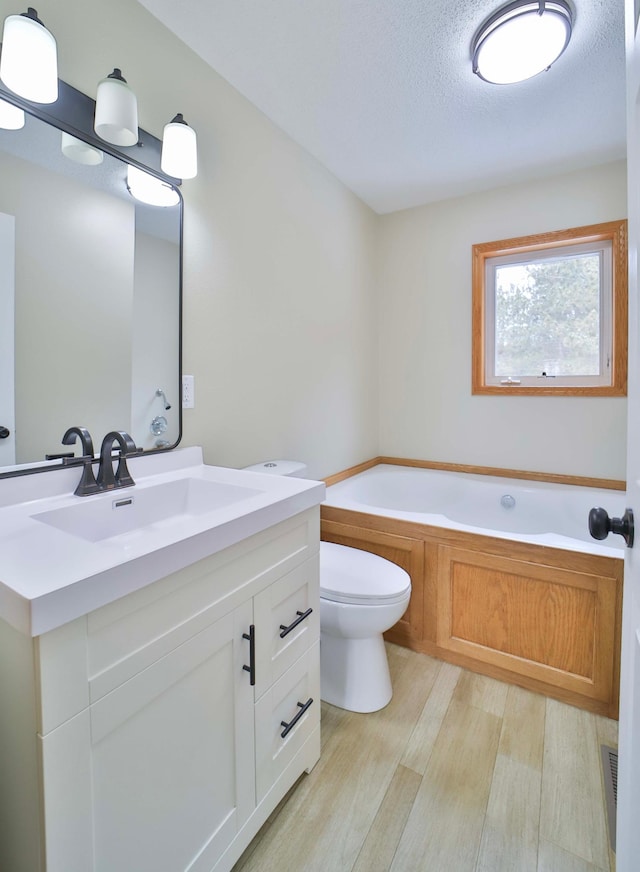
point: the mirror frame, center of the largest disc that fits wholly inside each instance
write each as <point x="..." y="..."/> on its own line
<point x="73" y="112"/>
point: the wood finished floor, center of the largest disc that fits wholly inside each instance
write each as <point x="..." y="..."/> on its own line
<point x="459" y="773"/>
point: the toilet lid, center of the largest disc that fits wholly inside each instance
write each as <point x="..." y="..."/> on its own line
<point x="349" y="575"/>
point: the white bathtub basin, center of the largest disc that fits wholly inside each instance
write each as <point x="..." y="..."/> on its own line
<point x="129" y="510"/>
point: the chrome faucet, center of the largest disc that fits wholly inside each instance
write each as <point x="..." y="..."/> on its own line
<point x="106" y="479"/>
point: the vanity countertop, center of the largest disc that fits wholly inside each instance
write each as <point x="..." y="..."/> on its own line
<point x="49" y="576"/>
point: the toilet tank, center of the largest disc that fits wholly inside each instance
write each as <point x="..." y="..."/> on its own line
<point x="280" y="467"/>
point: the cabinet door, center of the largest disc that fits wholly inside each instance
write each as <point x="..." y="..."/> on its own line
<point x="287" y="619"/>
<point x="170" y="754"/>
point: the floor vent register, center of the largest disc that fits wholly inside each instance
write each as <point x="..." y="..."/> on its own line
<point x="610" y="773"/>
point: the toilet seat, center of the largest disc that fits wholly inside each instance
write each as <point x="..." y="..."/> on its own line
<point x="343" y="571"/>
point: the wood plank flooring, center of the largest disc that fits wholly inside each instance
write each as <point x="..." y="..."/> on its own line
<point x="459" y="773"/>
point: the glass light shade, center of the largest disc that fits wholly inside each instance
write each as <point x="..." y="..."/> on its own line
<point x="521" y="40"/>
<point x="79" y="151"/>
<point x="150" y="190"/>
<point x="179" y="149"/>
<point x="116" y="118"/>
<point x="29" y="58"/>
<point x="11" y="117"/>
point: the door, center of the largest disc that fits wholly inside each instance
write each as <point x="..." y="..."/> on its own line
<point x="7" y="307"/>
<point x="628" y="812"/>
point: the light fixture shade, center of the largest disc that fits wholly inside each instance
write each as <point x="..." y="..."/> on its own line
<point x="11" y="117"/>
<point x="116" y="118"/>
<point x="29" y="58"/>
<point x="79" y="151"/>
<point x="179" y="149"/>
<point x="149" y="189"/>
<point x="521" y="40"/>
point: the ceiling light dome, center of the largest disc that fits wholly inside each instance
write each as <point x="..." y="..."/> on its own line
<point x="521" y="40"/>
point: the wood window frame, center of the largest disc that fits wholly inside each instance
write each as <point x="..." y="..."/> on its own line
<point x="616" y="232"/>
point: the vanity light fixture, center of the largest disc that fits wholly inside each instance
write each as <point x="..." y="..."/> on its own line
<point x="149" y="189"/>
<point x="11" y="117"/>
<point x="179" y="149"/>
<point x="29" y="58"/>
<point x="116" y="118"/>
<point x="521" y="40"/>
<point x="79" y="151"/>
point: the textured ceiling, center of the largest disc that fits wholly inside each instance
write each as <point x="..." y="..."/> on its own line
<point x="382" y="93"/>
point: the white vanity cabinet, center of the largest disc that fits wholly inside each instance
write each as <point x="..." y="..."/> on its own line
<point x="151" y="749"/>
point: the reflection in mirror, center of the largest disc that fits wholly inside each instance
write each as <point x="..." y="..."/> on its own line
<point x="93" y="277"/>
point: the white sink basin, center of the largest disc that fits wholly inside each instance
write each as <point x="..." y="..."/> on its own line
<point x="128" y="510"/>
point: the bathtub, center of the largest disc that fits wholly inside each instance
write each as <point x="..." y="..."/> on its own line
<point x="554" y="515"/>
<point x="506" y="579"/>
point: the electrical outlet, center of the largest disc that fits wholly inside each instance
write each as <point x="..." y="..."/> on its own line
<point x="188" y="392"/>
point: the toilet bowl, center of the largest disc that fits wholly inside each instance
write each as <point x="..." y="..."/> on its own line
<point x="361" y="596"/>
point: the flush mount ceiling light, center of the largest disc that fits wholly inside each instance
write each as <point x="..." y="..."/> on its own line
<point x="11" y="117"/>
<point x="29" y="58"/>
<point x="149" y="189"/>
<point x="179" y="149"/>
<point x="521" y="40"/>
<point x="116" y="118"/>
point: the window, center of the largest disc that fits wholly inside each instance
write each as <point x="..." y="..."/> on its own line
<point x="550" y="313"/>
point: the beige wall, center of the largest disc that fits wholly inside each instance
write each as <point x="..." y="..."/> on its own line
<point x="279" y="321"/>
<point x="426" y="406"/>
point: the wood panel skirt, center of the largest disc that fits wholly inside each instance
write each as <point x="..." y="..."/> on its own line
<point x="543" y="618"/>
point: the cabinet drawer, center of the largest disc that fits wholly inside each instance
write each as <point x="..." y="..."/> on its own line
<point x="298" y="689"/>
<point x="287" y="621"/>
<point x="128" y="635"/>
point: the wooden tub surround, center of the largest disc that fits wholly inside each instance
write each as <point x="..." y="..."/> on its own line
<point x="544" y="618"/>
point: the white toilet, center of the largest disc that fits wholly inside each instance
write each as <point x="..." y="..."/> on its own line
<point x="361" y="596"/>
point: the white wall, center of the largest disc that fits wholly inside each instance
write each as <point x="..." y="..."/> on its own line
<point x="279" y="311"/>
<point x="424" y="266"/>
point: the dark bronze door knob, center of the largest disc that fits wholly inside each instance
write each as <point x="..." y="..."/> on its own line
<point x="600" y="525"/>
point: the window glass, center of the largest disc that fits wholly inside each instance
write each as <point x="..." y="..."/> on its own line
<point x="551" y="313"/>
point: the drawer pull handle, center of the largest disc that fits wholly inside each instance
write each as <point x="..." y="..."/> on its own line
<point x="251" y="668"/>
<point x="289" y="726"/>
<point x="298" y="620"/>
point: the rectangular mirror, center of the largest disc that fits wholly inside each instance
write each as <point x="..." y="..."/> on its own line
<point x="90" y="298"/>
